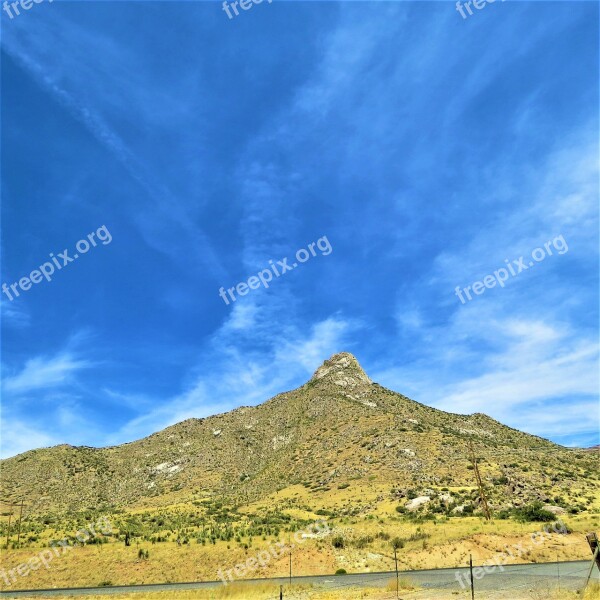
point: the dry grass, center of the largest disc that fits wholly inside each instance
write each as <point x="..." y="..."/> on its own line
<point x="448" y="545"/>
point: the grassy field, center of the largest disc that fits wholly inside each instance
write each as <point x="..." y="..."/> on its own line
<point x="365" y="547"/>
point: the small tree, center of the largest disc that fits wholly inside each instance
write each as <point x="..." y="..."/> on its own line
<point x="397" y="543"/>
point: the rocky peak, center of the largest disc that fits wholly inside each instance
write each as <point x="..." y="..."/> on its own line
<point x="342" y="369"/>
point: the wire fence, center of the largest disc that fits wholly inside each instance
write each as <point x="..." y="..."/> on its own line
<point x="500" y="584"/>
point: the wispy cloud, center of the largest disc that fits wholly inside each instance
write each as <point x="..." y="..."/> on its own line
<point x="44" y="373"/>
<point x="13" y="316"/>
<point x="18" y="435"/>
<point x="232" y="377"/>
<point x="426" y="154"/>
<point x="171" y="226"/>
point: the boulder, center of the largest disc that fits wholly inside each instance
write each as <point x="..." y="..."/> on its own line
<point x="416" y="502"/>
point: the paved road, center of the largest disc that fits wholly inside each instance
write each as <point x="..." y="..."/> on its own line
<point x="570" y="574"/>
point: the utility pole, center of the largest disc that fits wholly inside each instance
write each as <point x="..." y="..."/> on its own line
<point x="592" y="540"/>
<point x="19" y="525"/>
<point x="471" y="571"/>
<point x="484" y="503"/>
<point x="397" y="580"/>
<point x="8" y="532"/>
<point x="290" y="547"/>
<point x="280" y="592"/>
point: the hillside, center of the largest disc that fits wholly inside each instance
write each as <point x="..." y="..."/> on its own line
<point x="338" y="428"/>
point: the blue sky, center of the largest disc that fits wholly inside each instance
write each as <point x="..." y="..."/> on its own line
<point x="427" y="148"/>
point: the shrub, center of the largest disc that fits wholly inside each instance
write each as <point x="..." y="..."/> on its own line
<point x="341" y="572"/>
<point x="397" y="543"/>
<point x="363" y="542"/>
<point x="338" y="541"/>
<point x="534" y="512"/>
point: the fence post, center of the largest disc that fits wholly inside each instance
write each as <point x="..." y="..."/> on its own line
<point x="397" y="580"/>
<point x="471" y="571"/>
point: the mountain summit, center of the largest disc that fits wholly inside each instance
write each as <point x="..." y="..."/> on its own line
<point x="342" y="369"/>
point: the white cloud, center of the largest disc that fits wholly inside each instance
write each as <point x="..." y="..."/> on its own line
<point x="18" y="436"/>
<point x="13" y="316"/>
<point x="237" y="378"/>
<point x="170" y="227"/>
<point x="44" y="372"/>
<point x="534" y="375"/>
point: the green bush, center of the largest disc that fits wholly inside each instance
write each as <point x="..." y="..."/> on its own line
<point x="397" y="543"/>
<point x="341" y="572"/>
<point x="534" y="512"/>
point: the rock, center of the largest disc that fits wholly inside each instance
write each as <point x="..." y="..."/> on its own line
<point x="342" y="370"/>
<point x="555" y="510"/>
<point x="416" y="502"/>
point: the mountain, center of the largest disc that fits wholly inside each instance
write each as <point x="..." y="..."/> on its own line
<point x="339" y="427"/>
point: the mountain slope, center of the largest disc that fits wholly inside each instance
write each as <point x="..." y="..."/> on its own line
<point x="336" y="428"/>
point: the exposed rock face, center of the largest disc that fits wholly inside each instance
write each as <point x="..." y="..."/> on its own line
<point x="344" y="370"/>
